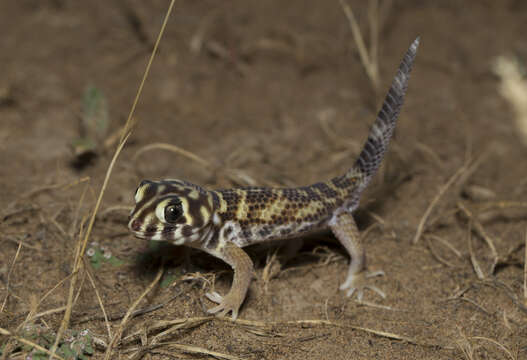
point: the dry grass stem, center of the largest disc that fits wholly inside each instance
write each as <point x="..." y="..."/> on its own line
<point x="473" y="260"/>
<point x="501" y="346"/>
<point x="115" y="208"/>
<point x="435" y="255"/>
<point x="431" y="154"/>
<point x="175" y="149"/>
<point x="186" y="323"/>
<point x="50" y="291"/>
<point x="195" y="350"/>
<point x="479" y="193"/>
<point x="268" y="272"/>
<point x="435" y="200"/>
<point x="24" y="244"/>
<point x="9" y="277"/>
<point x="478" y="306"/>
<point x="525" y="270"/>
<point x="465" y="346"/>
<point x="370" y="64"/>
<point x="99" y="299"/>
<point x="478" y="228"/>
<point x="73" y="226"/>
<point x="120" y="330"/>
<point x="447" y="244"/>
<point x="377" y="306"/>
<point x="460" y="176"/>
<point x="79" y="251"/>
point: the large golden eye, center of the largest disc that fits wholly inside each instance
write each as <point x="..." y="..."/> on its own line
<point x="173" y="212"/>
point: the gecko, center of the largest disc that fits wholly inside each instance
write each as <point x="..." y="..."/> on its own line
<point x="223" y="222"/>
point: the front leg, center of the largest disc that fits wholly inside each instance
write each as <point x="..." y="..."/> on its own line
<point x="345" y="229"/>
<point x="243" y="273"/>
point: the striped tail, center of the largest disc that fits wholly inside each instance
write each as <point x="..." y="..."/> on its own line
<point x="371" y="156"/>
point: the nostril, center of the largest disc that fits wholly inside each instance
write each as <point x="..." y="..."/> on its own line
<point x="135" y="225"/>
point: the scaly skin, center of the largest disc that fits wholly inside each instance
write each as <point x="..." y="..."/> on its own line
<point x="222" y="222"/>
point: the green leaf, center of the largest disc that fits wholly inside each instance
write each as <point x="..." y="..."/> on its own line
<point x="88" y="349"/>
<point x="168" y="280"/>
<point x="66" y="351"/>
<point x="114" y="261"/>
<point x="95" y="113"/>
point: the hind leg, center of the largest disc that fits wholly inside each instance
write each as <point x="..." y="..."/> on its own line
<point x="346" y="231"/>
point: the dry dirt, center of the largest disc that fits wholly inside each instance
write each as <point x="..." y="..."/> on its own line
<point x="272" y="92"/>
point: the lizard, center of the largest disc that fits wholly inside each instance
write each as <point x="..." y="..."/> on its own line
<point x="222" y="222"/>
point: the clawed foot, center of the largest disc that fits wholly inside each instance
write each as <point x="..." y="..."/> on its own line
<point x="359" y="282"/>
<point x="225" y="304"/>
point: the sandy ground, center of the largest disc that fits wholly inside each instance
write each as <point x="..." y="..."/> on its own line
<point x="271" y="93"/>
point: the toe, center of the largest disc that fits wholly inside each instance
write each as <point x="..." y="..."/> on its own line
<point x="214" y="297"/>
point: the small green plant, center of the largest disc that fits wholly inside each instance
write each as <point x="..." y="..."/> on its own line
<point x="75" y="345"/>
<point x="99" y="255"/>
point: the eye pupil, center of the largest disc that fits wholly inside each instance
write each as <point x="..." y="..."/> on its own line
<point x="173" y="212"/>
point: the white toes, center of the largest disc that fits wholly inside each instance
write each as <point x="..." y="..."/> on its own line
<point x="214" y="297"/>
<point x="377" y="290"/>
<point x="359" y="295"/>
<point x="350" y="292"/>
<point x="347" y="284"/>
<point x="215" y="309"/>
<point x="356" y="283"/>
<point x="375" y="273"/>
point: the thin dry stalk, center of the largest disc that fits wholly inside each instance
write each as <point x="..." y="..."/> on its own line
<point x="111" y="209"/>
<point x="79" y="250"/>
<point x="501" y="346"/>
<point x="373" y="17"/>
<point x="370" y="65"/>
<point x="473" y="260"/>
<point x="175" y="149"/>
<point x="128" y="315"/>
<point x="52" y="289"/>
<point x="435" y="255"/>
<point x="163" y="324"/>
<point x="434" y="202"/>
<point x="331" y="323"/>
<point x="465" y="346"/>
<point x="184" y="348"/>
<point x="77" y="212"/>
<point x="447" y="244"/>
<point x="480" y="230"/>
<point x="377" y="306"/>
<point x="525" y="271"/>
<point x="461" y="175"/>
<point x="186" y="325"/>
<point x="9" y="277"/>
<point x="268" y="273"/>
<point x="478" y="306"/>
<point x="100" y="304"/>
<point x="431" y="154"/>
<point x="24" y="244"/>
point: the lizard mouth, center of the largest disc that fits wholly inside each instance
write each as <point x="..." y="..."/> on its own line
<point x="155" y="235"/>
<point x="150" y="232"/>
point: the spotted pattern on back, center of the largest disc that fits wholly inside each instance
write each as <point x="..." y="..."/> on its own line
<point x="259" y="213"/>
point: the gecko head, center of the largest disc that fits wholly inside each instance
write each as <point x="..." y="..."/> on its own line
<point x="171" y="210"/>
